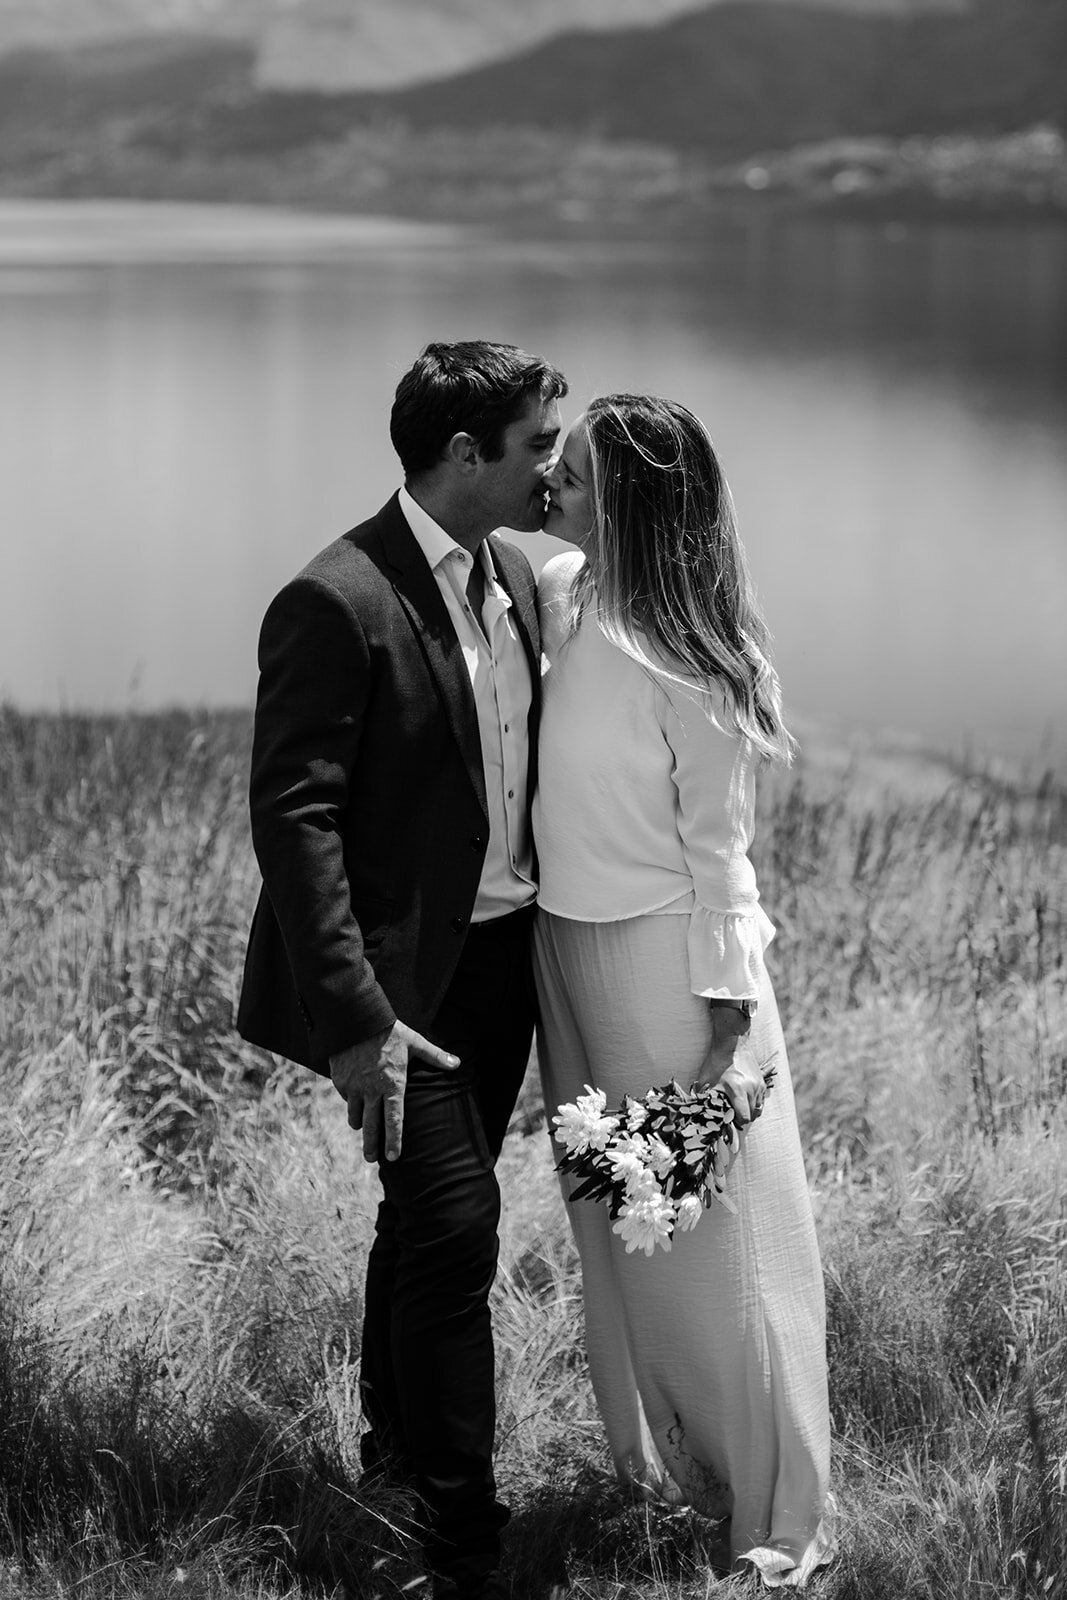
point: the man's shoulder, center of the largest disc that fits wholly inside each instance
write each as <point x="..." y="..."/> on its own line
<point x="355" y="562"/>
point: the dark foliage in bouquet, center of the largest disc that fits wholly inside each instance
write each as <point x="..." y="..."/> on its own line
<point x="658" y="1161"/>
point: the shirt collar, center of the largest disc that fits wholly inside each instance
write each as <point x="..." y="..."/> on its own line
<point x="436" y="545"/>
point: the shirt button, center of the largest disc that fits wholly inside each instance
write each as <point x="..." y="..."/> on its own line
<point x="458" y="924"/>
<point x="477" y="842"/>
<point x="507" y="727"/>
<point x="511" y="794"/>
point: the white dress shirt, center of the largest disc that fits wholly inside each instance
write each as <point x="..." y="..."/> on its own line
<point x="645" y="800"/>
<point x="500" y="678"/>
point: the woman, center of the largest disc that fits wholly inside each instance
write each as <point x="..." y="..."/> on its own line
<point x="708" y="1362"/>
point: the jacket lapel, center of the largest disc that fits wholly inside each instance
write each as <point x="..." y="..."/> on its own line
<point x="514" y="573"/>
<point x="416" y="589"/>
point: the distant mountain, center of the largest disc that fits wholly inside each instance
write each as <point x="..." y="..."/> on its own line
<point x="729" y="79"/>
<point x="384" y="44"/>
<point x="334" y="45"/>
<point x="53" y="98"/>
<point x="594" y="118"/>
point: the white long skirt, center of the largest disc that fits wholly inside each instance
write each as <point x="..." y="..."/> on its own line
<point x="708" y="1362"/>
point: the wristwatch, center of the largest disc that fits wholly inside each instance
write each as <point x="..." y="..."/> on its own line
<point x="746" y="1007"/>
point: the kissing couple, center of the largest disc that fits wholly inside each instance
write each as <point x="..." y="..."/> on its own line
<point x="482" y="804"/>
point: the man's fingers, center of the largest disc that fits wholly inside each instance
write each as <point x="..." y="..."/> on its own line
<point x="394" y="1126"/>
<point x="355" y="1110"/>
<point x="383" y="1127"/>
<point x="372" y="1122"/>
<point x="418" y="1046"/>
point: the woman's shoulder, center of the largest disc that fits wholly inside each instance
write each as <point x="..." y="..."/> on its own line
<point x="553" y="595"/>
<point x="557" y="575"/>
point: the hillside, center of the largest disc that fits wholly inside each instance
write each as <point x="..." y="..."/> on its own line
<point x="590" y="125"/>
<point x="737" y="77"/>
<point x="69" y="103"/>
<point x="335" y="45"/>
<point x="386" y="44"/>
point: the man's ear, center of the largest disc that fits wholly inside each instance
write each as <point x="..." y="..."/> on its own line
<point x="462" y="452"/>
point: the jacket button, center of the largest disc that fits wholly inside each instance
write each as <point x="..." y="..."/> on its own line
<point x="458" y="924"/>
<point x="477" y="842"/>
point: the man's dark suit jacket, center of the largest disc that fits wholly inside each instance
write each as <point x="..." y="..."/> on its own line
<point x="368" y="805"/>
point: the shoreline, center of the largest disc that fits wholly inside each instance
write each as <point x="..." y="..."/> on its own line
<point x="50" y="230"/>
<point x="525" y="179"/>
<point x="95" y="230"/>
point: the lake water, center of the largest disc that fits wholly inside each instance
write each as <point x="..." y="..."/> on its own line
<point x="193" y="400"/>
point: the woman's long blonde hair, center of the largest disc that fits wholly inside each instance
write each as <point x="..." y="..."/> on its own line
<point x="666" y="565"/>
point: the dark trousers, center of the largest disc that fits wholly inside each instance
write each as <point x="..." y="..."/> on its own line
<point x="427" y="1367"/>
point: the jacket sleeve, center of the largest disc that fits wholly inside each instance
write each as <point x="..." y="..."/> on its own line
<point x="314" y="688"/>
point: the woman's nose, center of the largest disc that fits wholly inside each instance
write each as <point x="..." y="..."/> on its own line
<point x="550" y="473"/>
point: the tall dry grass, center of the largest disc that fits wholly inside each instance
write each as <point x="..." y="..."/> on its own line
<point x="183" y="1221"/>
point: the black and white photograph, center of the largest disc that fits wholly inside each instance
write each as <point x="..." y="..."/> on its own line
<point x="533" y="799"/>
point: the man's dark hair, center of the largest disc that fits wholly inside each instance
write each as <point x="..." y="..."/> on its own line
<point x="471" y="387"/>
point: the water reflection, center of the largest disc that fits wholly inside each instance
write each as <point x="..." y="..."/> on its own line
<point x="180" y="435"/>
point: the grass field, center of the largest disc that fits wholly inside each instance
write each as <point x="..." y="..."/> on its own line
<point x="184" y="1221"/>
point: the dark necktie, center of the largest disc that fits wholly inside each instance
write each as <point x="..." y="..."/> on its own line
<point x="476" y="588"/>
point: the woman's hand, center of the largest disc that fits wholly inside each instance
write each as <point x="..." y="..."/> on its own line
<point x="744" y="1086"/>
<point x="731" y="1064"/>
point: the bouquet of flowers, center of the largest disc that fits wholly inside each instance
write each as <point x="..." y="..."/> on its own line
<point x="658" y="1161"/>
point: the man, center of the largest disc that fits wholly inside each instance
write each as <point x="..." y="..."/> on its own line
<point x="392" y="767"/>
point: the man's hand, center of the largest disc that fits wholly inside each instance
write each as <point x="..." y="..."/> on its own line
<point x="372" y="1076"/>
<point x="731" y="1064"/>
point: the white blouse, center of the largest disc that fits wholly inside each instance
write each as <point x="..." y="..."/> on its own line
<point x="645" y="800"/>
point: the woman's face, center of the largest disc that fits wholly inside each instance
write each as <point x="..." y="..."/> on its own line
<point x="570" y="490"/>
